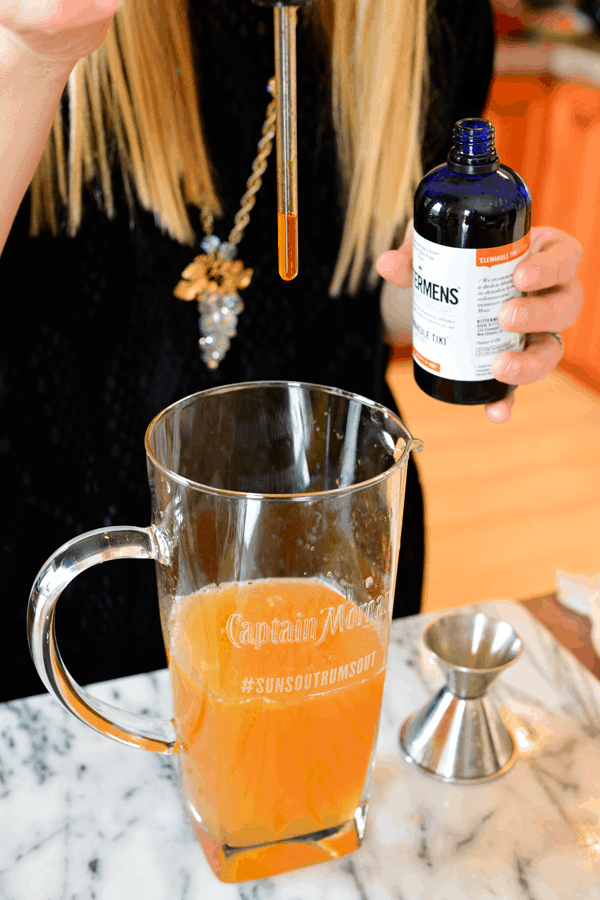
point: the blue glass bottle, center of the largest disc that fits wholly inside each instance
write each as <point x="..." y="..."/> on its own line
<point x="471" y="202"/>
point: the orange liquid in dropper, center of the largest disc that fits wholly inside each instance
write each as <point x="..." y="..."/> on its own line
<point x="287" y="235"/>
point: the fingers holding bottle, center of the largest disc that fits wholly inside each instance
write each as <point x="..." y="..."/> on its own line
<point x="396" y="265"/>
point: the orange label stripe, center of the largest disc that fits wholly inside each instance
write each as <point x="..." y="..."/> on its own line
<point x="426" y="363"/>
<point x="494" y="256"/>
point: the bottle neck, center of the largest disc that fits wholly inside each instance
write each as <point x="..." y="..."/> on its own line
<point x="473" y="151"/>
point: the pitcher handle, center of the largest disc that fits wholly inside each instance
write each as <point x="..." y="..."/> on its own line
<point x="74" y="557"/>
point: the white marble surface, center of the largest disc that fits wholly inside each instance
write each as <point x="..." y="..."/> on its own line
<point x="84" y="818"/>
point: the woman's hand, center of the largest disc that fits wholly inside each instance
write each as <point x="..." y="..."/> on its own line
<point x="58" y="32"/>
<point x="40" y="43"/>
<point x="552" y="303"/>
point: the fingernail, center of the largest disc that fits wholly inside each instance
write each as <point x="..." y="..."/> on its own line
<point x="503" y="369"/>
<point x="520" y="316"/>
<point x="496" y="414"/>
<point x="529" y="277"/>
<point x="513" y="317"/>
<point x="387" y="260"/>
<point x="497" y="368"/>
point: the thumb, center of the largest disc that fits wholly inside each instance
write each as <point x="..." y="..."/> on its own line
<point x="396" y="265"/>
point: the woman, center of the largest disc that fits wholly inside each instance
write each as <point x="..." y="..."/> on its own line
<point x="94" y="343"/>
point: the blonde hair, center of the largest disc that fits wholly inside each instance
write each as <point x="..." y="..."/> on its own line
<point x="137" y="97"/>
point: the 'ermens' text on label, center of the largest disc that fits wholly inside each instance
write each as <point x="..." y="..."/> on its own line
<point x="435" y="291"/>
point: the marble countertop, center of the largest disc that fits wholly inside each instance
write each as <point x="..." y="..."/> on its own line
<point x="84" y="818"/>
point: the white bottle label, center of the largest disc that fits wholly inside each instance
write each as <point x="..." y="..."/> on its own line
<point x="457" y="295"/>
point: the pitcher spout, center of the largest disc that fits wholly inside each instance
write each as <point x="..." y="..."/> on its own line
<point x="405" y="447"/>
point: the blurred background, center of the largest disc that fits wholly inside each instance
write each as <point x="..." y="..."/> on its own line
<point x="508" y="505"/>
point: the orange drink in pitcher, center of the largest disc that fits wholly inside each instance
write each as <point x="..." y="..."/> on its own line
<point x="276" y="511"/>
<point x="269" y="756"/>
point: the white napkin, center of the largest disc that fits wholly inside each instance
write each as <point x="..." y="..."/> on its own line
<point x="581" y="593"/>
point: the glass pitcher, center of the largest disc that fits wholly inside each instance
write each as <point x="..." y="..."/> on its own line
<point x="276" y="516"/>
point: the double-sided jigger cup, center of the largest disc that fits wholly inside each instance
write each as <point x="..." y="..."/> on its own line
<point x="459" y="736"/>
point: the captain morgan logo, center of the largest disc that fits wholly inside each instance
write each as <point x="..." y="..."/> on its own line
<point x="334" y="619"/>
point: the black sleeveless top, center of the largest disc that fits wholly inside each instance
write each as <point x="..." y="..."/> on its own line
<point x="93" y="343"/>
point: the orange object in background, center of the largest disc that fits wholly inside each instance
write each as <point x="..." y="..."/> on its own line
<point x="508" y="25"/>
<point x="266" y="758"/>
<point x="549" y="132"/>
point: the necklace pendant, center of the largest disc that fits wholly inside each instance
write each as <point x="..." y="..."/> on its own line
<point x="214" y="279"/>
<point x="218" y="324"/>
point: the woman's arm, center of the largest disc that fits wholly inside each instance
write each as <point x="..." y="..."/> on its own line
<point x="39" y="45"/>
<point x="30" y="92"/>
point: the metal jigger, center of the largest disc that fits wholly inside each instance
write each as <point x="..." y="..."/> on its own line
<point x="459" y="736"/>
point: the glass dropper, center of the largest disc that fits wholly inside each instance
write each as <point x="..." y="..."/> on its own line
<point x="287" y="147"/>
<point x="284" y="17"/>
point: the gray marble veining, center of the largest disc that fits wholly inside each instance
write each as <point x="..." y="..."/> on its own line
<point x="84" y="818"/>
